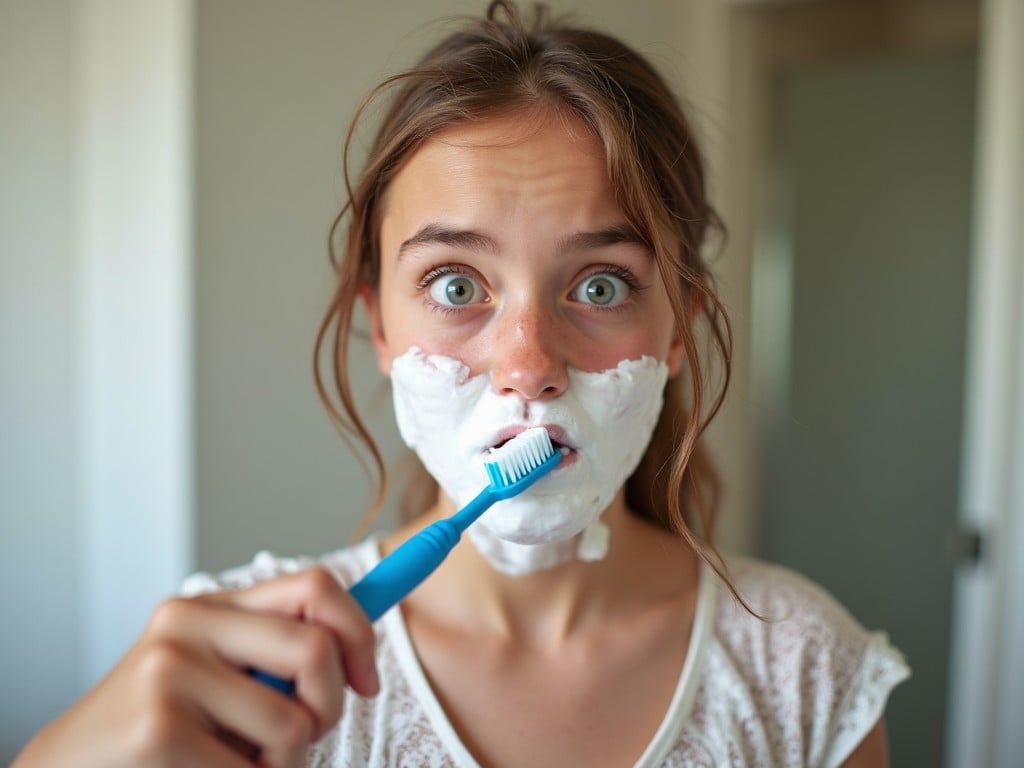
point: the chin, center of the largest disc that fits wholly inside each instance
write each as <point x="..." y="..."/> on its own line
<point x="533" y="520"/>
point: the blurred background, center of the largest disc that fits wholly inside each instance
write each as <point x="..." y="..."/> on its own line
<point x="168" y="173"/>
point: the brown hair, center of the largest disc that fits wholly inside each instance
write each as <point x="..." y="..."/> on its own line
<point x="503" y="61"/>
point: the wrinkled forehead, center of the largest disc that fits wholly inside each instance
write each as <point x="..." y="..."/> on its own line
<point x="481" y="174"/>
<point x="510" y="128"/>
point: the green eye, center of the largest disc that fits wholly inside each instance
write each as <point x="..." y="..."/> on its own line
<point x="603" y="290"/>
<point x="453" y="290"/>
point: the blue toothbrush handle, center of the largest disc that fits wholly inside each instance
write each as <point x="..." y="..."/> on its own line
<point x="282" y="684"/>
<point x="401" y="572"/>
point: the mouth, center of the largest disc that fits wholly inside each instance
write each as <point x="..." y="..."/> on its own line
<point x="558" y="437"/>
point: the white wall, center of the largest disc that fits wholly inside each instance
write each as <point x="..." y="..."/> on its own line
<point x="133" y="244"/>
<point x="41" y="630"/>
<point x="95" y="238"/>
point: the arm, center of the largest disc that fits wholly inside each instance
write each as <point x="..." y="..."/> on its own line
<point x="872" y="752"/>
<point x="181" y="695"/>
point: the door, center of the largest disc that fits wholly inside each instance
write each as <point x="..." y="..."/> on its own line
<point x="861" y="297"/>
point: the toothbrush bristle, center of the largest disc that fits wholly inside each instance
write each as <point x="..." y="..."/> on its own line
<point x="520" y="455"/>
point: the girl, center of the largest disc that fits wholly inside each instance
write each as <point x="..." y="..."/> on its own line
<point x="526" y="237"/>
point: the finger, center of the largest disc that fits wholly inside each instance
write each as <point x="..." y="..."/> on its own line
<point x="314" y="595"/>
<point x="306" y="654"/>
<point x="169" y="734"/>
<point x="256" y="721"/>
<point x="250" y="718"/>
<point x="236" y="640"/>
<point x="208" y="749"/>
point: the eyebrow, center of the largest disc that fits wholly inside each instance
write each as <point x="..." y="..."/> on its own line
<point x="602" y="238"/>
<point x="438" y="234"/>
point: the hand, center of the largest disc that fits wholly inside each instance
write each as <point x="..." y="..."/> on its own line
<point x="181" y="696"/>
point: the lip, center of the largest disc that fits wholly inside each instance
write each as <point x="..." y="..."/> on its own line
<point x="556" y="433"/>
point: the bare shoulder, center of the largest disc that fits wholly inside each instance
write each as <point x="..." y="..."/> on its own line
<point x="872" y="752"/>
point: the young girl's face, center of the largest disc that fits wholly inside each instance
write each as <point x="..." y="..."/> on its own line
<point x="511" y="289"/>
<point x="502" y="245"/>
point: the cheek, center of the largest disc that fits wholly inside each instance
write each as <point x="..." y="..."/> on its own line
<point x="602" y="351"/>
<point x="405" y="329"/>
<point x="397" y="323"/>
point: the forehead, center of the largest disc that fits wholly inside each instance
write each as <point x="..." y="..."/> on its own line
<point x="528" y="134"/>
<point x="529" y="159"/>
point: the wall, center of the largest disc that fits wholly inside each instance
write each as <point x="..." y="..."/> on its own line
<point x="38" y="526"/>
<point x="860" y="459"/>
<point x="95" y="237"/>
<point x="132" y="244"/>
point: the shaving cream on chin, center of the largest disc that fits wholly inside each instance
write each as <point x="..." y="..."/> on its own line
<point x="451" y="420"/>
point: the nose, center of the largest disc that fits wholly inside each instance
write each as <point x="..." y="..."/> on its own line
<point x="528" y="356"/>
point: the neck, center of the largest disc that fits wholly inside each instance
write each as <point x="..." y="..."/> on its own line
<point x="549" y="604"/>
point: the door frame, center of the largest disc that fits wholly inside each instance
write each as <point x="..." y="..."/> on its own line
<point x="768" y="39"/>
<point x="987" y="665"/>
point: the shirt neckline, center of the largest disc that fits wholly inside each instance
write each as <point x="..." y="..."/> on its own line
<point x="665" y="737"/>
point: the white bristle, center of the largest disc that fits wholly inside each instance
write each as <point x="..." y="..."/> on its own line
<point x="521" y="454"/>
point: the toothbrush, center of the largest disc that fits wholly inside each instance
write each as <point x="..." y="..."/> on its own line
<point x="512" y="469"/>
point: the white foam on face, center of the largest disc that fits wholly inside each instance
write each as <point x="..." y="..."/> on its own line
<point x="451" y="420"/>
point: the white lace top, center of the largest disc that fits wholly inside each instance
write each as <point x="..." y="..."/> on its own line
<point x="802" y="690"/>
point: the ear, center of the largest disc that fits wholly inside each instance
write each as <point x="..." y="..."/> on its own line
<point x="372" y="304"/>
<point x="676" y="350"/>
<point x="674" y="360"/>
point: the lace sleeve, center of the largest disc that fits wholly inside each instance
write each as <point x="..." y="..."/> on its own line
<point x="347" y="565"/>
<point x="264" y="566"/>
<point x="881" y="669"/>
<point x="811" y="681"/>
